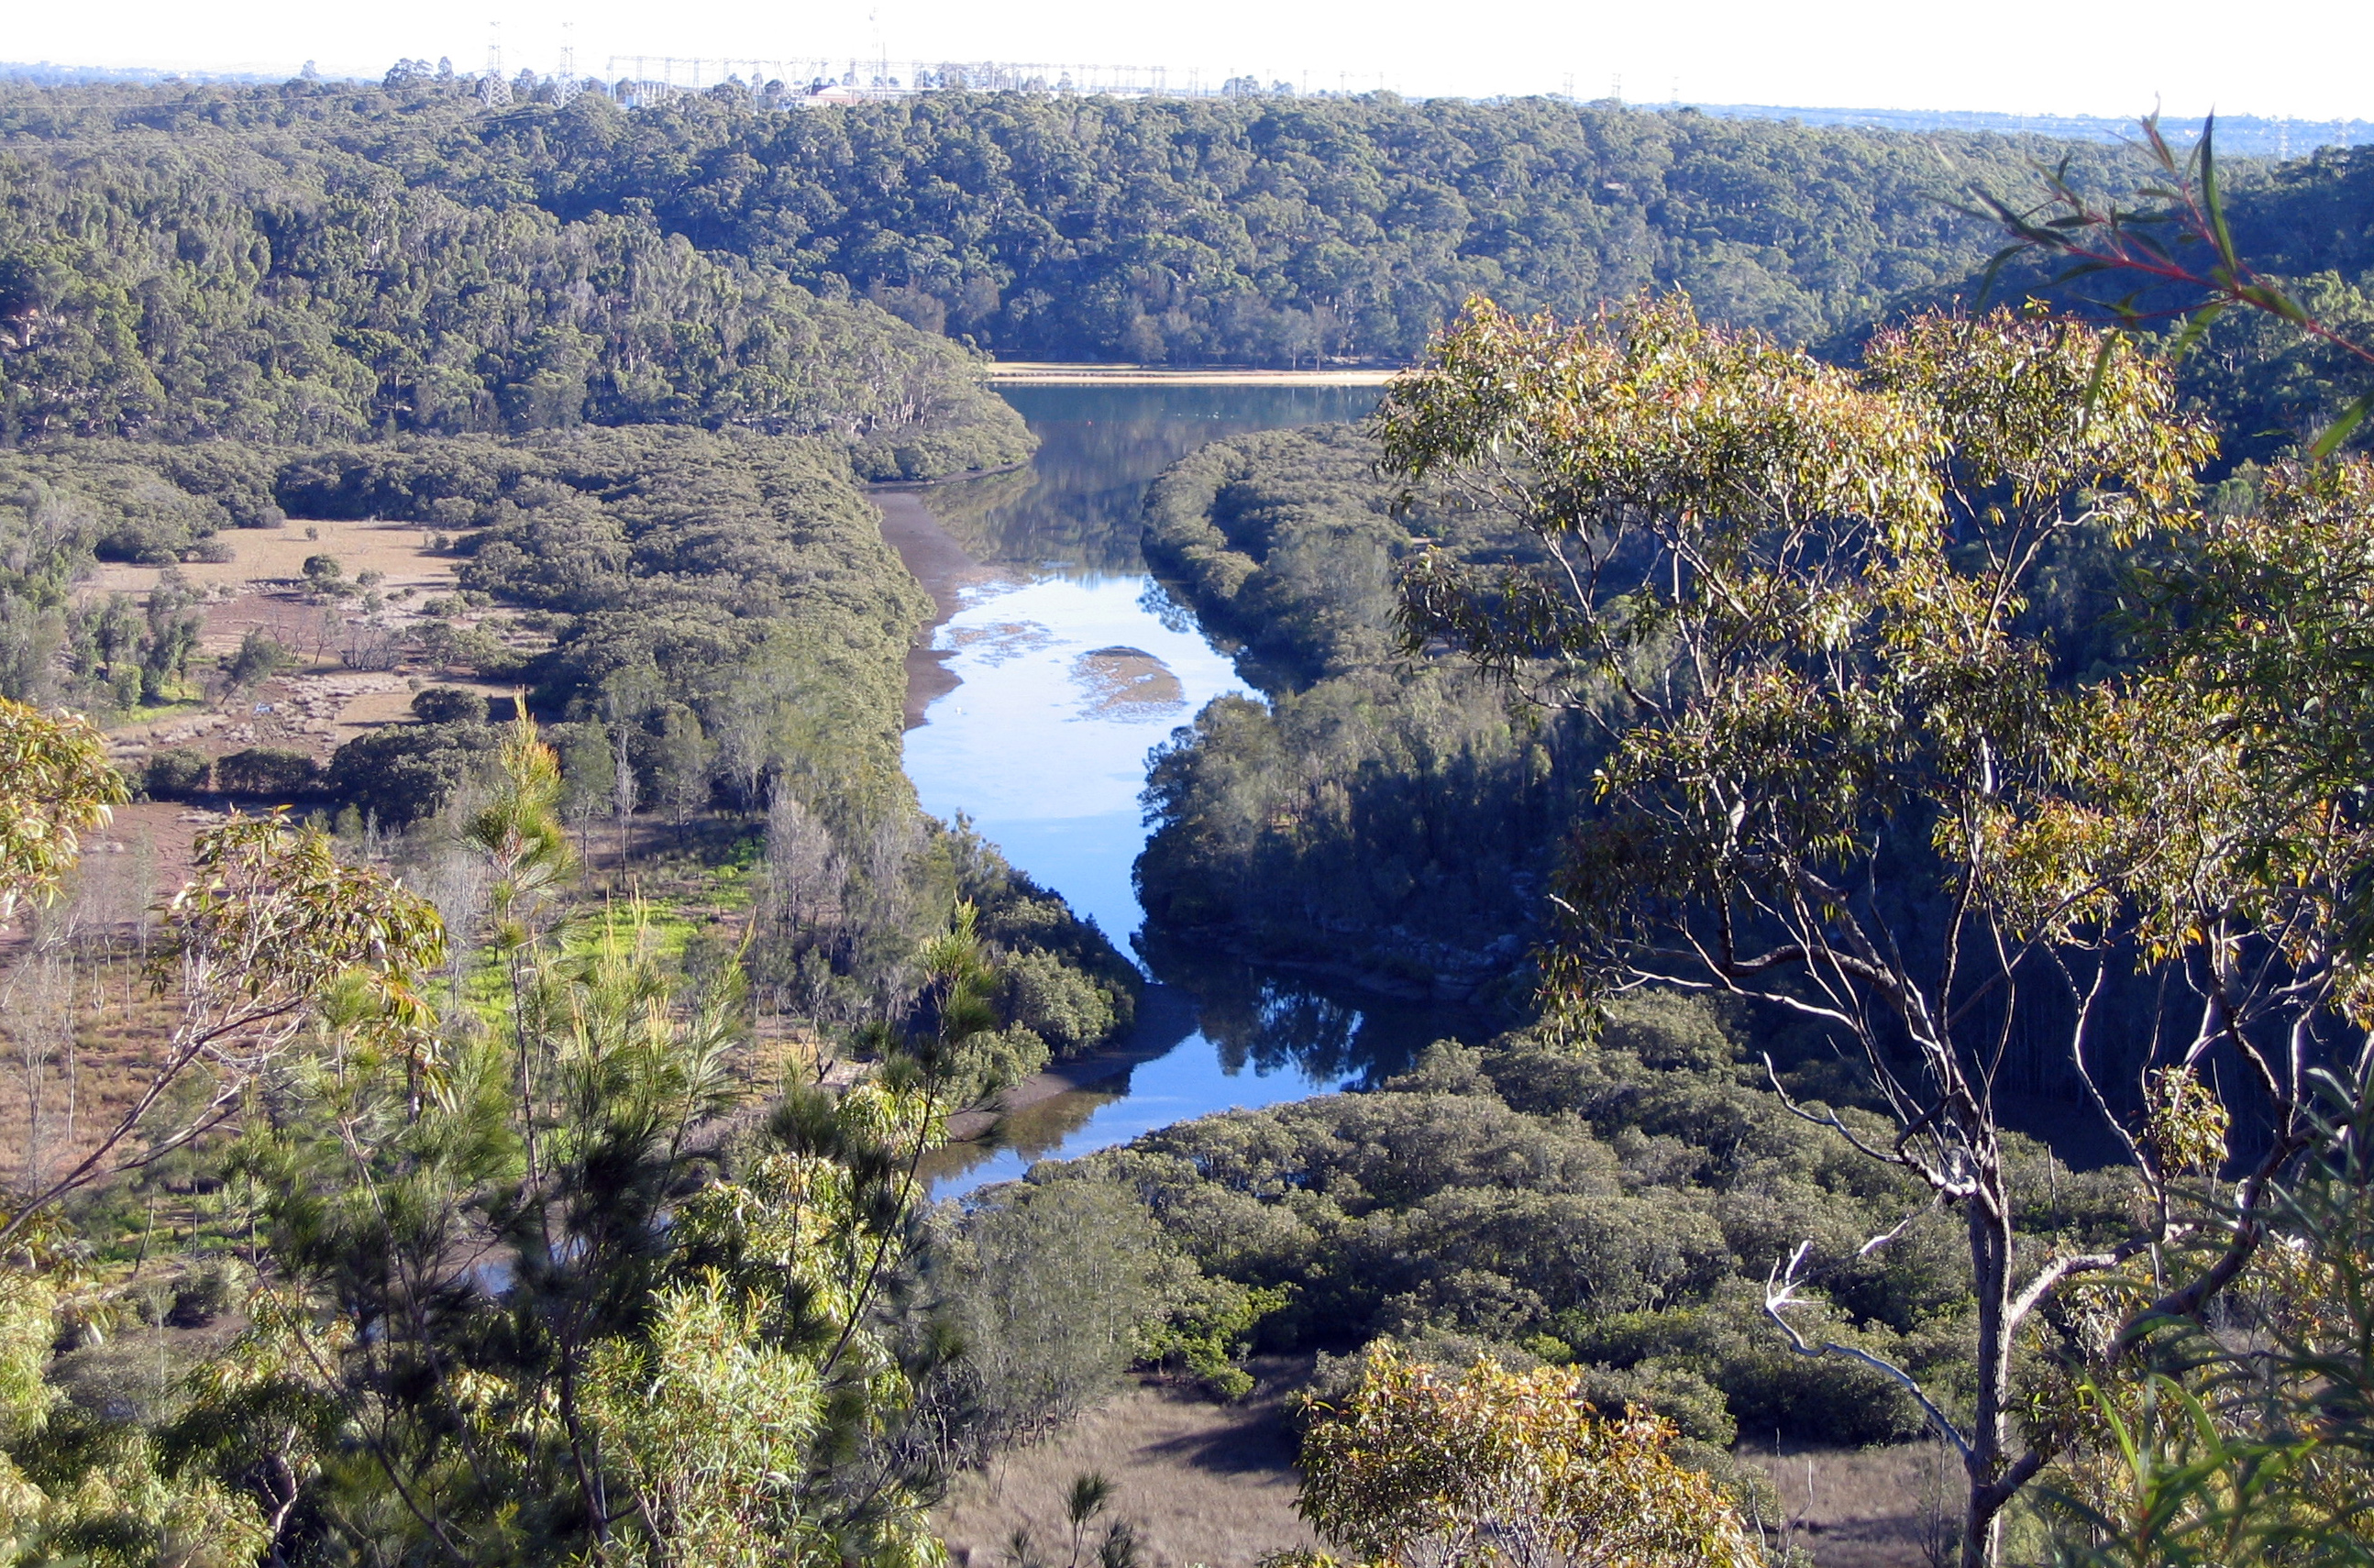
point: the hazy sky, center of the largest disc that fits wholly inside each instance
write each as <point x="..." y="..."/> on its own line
<point x="2308" y="60"/>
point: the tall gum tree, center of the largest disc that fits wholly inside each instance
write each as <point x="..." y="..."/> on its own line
<point x="1844" y="778"/>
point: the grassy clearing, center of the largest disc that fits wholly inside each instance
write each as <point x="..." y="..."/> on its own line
<point x="1200" y="1483"/>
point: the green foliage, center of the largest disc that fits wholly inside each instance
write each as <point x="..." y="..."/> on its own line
<point x="2249" y="1443"/>
<point x="405" y="772"/>
<point x="1498" y="1467"/>
<point x="1272" y="230"/>
<point x="1206" y="1328"/>
<point x="1615" y="1205"/>
<point x="1047" y="1288"/>
<point x="1795" y="596"/>
<point x="739" y="581"/>
<point x="2262" y="281"/>
<point x="688" y="1334"/>
<point x="709" y="1425"/>
<point x="327" y="270"/>
<point x="258" y="658"/>
<point x="59" y="510"/>
<point x="176" y="772"/>
<point x="266" y="771"/>
<point x="449" y="705"/>
<point x="1056" y="1002"/>
<point x="1393" y="820"/>
<point x="55" y="785"/>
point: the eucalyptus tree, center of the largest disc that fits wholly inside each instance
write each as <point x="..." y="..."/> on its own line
<point x="1843" y="777"/>
<point x="56" y="784"/>
<point x="1504" y="1467"/>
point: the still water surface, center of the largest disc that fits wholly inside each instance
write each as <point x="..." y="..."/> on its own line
<point x="1073" y="664"/>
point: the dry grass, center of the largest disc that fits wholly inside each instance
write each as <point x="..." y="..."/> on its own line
<point x="1200" y="1482"/>
<point x="1864" y="1507"/>
<point x="78" y="1086"/>
<point x="277" y="556"/>
<point x="320" y="705"/>
<point x="1205" y="1484"/>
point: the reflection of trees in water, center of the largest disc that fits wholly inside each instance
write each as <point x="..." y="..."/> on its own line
<point x="1165" y="1018"/>
<point x="1076" y="504"/>
<point x="1271" y="1022"/>
<point x="1034" y="1132"/>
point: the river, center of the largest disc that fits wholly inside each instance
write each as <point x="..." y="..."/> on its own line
<point x="1057" y="665"/>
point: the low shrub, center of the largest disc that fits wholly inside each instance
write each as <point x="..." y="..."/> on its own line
<point x="266" y="771"/>
<point x="176" y="773"/>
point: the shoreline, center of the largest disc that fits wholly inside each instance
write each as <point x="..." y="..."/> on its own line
<point x="1165" y="1016"/>
<point x="944" y="568"/>
<point x="1021" y="372"/>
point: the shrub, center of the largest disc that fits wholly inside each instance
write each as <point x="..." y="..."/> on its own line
<point x="179" y="772"/>
<point x="325" y="574"/>
<point x="405" y="772"/>
<point x="266" y="771"/>
<point x="450" y="705"/>
<point x="260" y="657"/>
<point x="1057" y="1002"/>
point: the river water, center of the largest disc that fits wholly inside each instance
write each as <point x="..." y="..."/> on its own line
<point x="1071" y="663"/>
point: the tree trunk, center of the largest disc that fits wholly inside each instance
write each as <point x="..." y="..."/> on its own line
<point x="1988" y="1212"/>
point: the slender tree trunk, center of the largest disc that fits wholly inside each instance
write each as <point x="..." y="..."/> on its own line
<point x="1989" y="1219"/>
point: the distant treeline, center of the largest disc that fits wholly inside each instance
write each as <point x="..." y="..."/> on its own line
<point x="319" y="260"/>
<point x="394" y="255"/>
<point x="249" y="269"/>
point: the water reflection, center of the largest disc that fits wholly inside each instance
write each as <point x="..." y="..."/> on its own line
<point x="1275" y="1020"/>
<point x="1072" y="665"/>
<point x="1074" y="511"/>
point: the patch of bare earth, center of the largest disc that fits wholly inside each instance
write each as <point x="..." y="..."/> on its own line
<point x="1200" y="1482"/>
<point x="1215" y="1485"/>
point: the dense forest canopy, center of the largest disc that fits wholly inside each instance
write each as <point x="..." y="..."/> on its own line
<point x="396" y="255"/>
<point x="277" y="282"/>
<point x="1264" y="229"/>
<point x="323" y="260"/>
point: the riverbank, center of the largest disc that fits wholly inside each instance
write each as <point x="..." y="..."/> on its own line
<point x="945" y="569"/>
<point x="1021" y="372"/>
<point x="1166" y="1015"/>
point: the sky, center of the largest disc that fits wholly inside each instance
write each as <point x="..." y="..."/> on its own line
<point x="2307" y="60"/>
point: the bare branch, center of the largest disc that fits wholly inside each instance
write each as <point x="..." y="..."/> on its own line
<point x="1780" y="1291"/>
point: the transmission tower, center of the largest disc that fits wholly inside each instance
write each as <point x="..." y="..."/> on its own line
<point x="494" y="92"/>
<point x="565" y="80"/>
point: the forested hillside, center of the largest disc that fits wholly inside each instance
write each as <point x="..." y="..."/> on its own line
<point x="1267" y="230"/>
<point x="242" y="269"/>
<point x="531" y="262"/>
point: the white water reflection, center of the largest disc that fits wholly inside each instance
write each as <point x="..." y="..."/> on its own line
<point x="1033" y="745"/>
